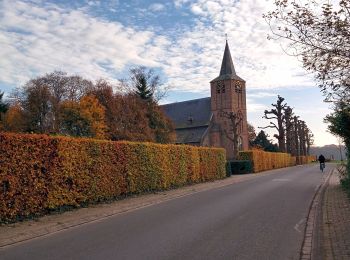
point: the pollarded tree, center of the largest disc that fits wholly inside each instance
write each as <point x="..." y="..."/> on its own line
<point x="288" y="115"/>
<point x="277" y="113"/>
<point x="302" y="137"/>
<point x="296" y="132"/>
<point x="309" y="140"/>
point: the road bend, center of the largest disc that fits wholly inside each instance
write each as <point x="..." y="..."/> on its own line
<point x="262" y="218"/>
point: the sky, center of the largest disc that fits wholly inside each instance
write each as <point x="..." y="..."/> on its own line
<point x="182" y="40"/>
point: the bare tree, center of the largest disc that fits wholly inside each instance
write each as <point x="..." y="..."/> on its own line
<point x="309" y="140"/>
<point x="235" y="121"/>
<point x="277" y="113"/>
<point x="41" y="99"/>
<point x="302" y="137"/>
<point x="319" y="34"/>
<point x="145" y="83"/>
<point x="288" y="115"/>
<point x="296" y="132"/>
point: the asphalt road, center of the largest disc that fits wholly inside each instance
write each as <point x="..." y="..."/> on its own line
<point x="262" y="218"/>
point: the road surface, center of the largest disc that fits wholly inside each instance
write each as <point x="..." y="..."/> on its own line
<point x="262" y="218"/>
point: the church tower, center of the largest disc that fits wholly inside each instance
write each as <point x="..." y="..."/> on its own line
<point x="228" y="94"/>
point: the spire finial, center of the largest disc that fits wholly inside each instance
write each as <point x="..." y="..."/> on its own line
<point x="226" y="36"/>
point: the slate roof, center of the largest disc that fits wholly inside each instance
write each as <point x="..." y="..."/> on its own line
<point x="190" y="135"/>
<point x="227" y="68"/>
<point x="192" y="113"/>
<point x="191" y="119"/>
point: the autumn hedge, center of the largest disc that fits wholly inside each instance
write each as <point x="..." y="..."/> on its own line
<point x="263" y="161"/>
<point x="40" y="173"/>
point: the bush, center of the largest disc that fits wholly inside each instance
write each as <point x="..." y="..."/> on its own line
<point x="228" y="169"/>
<point x="262" y="161"/>
<point x="40" y="173"/>
<point x="239" y="167"/>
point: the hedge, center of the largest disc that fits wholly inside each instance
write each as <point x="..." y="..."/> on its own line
<point x="263" y="161"/>
<point x="305" y="159"/>
<point x="238" y="167"/>
<point x="39" y="173"/>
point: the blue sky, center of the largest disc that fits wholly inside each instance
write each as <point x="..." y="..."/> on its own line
<point x="183" y="40"/>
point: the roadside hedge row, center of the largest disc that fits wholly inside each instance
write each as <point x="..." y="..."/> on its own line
<point x="305" y="159"/>
<point x="39" y="173"/>
<point x="263" y="161"/>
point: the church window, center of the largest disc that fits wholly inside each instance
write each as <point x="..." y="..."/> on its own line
<point x="238" y="88"/>
<point x="220" y="87"/>
<point x="240" y="144"/>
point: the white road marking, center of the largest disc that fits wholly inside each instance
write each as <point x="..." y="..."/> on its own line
<point x="316" y="188"/>
<point x="281" y="180"/>
<point x="297" y="225"/>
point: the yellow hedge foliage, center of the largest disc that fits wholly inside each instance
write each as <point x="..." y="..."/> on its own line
<point x="39" y="173"/>
<point x="263" y="161"/>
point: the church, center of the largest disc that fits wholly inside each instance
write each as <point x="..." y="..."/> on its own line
<point x="201" y="122"/>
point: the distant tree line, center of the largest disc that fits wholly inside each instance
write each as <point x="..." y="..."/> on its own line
<point x="60" y="104"/>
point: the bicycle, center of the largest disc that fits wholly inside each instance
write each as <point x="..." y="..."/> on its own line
<point x="322" y="166"/>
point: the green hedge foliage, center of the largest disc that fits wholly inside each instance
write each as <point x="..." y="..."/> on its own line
<point x="39" y="173"/>
<point x="239" y="167"/>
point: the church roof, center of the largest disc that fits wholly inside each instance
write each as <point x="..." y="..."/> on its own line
<point x="190" y="135"/>
<point x="227" y="68"/>
<point x="191" y="119"/>
<point x="191" y="113"/>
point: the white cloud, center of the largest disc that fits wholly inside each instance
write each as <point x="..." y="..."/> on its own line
<point x="157" y="7"/>
<point x="44" y="38"/>
<point x="254" y="107"/>
<point x="262" y="95"/>
<point x="36" y="40"/>
<point x="180" y="3"/>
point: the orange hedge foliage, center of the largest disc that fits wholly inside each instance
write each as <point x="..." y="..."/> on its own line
<point x="305" y="159"/>
<point x="263" y="161"/>
<point x="39" y="173"/>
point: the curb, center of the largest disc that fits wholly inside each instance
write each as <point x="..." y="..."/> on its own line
<point x="307" y="248"/>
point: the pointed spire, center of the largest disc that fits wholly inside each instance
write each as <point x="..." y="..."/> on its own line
<point x="227" y="67"/>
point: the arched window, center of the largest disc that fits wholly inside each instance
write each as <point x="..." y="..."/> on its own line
<point x="240" y="144"/>
<point x="220" y="87"/>
<point x="240" y="120"/>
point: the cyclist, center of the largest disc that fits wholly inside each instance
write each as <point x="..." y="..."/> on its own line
<point x="322" y="160"/>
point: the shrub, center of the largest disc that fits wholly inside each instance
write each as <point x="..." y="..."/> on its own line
<point x="228" y="169"/>
<point x="262" y="161"/>
<point x="239" y="167"/>
<point x="40" y="173"/>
